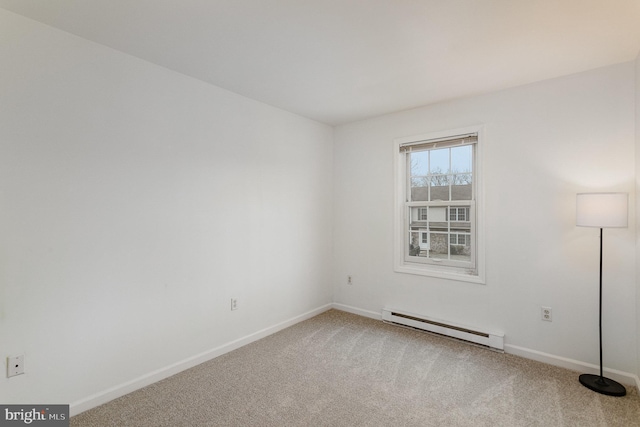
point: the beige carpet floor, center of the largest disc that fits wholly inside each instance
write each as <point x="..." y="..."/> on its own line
<point x="339" y="369"/>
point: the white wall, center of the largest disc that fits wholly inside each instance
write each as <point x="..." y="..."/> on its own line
<point x="637" y="157"/>
<point x="134" y="203"/>
<point x="543" y="143"/>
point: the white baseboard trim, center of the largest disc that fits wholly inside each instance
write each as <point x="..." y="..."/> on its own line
<point x="167" y="371"/>
<point x="358" y="311"/>
<point x="625" y="378"/>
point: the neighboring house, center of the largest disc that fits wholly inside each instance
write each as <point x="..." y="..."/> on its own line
<point x="441" y="230"/>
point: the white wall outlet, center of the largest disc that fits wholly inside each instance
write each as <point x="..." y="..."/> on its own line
<point x="349" y="280"/>
<point x="546" y="314"/>
<point x="234" y="304"/>
<point x="15" y="365"/>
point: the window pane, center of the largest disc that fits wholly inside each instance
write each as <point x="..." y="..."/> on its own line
<point x="439" y="189"/>
<point x="439" y="245"/>
<point x="461" y="159"/>
<point x="439" y="161"/>
<point x="461" y="172"/>
<point x="438" y="170"/>
<point x="414" y="243"/>
<point x="461" y="191"/>
<point x="418" y="216"/>
<point x="462" y="250"/>
<point x="419" y="163"/>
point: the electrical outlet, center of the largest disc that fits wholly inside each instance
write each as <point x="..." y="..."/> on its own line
<point x="234" y="304"/>
<point x="349" y="280"/>
<point x="546" y="313"/>
<point x="15" y="366"/>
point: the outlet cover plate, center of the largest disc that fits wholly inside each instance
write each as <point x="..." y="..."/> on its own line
<point x="15" y="365"/>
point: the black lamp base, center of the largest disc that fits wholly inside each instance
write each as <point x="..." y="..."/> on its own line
<point x="602" y="385"/>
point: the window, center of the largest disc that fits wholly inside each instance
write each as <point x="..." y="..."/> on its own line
<point x="458" y="214"/>
<point x="422" y="214"/>
<point x="437" y="226"/>
<point x="460" y="239"/>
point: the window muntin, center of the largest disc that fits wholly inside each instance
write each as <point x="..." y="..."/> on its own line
<point x="439" y="204"/>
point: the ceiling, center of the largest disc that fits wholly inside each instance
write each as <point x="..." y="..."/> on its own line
<point x="337" y="61"/>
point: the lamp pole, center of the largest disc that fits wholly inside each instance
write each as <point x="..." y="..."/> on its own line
<point x="600" y="312"/>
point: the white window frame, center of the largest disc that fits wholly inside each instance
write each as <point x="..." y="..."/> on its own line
<point x="401" y="264"/>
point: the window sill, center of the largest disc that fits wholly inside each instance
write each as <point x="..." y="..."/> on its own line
<point x="441" y="274"/>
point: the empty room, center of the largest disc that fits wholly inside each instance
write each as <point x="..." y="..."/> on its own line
<point x="319" y="213"/>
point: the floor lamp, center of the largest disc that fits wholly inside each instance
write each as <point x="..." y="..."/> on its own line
<point x="602" y="210"/>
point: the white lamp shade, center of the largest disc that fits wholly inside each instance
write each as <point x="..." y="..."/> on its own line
<point x="602" y="210"/>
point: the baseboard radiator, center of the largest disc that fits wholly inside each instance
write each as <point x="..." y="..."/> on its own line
<point x="492" y="341"/>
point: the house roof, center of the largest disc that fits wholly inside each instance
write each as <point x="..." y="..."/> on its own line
<point x="338" y="61"/>
<point x="458" y="192"/>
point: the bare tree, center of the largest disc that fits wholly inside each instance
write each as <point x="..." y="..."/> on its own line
<point x="437" y="177"/>
<point x="461" y="178"/>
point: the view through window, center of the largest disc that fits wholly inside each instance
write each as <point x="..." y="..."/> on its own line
<point x="439" y="202"/>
